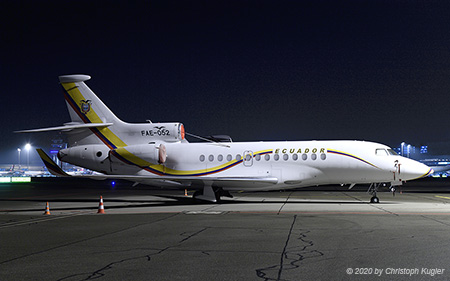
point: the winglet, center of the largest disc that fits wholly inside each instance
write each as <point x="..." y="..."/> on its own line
<point x="51" y="165"/>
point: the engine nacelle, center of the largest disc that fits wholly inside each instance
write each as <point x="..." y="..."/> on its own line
<point x="169" y="132"/>
<point x="88" y="156"/>
<point x="100" y="157"/>
<point x="142" y="154"/>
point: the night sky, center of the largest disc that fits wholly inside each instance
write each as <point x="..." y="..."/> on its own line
<point x="254" y="70"/>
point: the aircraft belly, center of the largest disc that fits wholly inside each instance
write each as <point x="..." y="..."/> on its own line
<point x="361" y="175"/>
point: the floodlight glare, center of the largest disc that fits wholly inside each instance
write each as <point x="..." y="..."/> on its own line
<point x="27" y="148"/>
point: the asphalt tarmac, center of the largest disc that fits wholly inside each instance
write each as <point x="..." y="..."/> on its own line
<point x="322" y="233"/>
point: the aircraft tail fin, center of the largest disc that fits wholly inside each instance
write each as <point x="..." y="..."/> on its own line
<point x="84" y="106"/>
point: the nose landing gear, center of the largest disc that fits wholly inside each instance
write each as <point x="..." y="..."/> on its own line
<point x="373" y="188"/>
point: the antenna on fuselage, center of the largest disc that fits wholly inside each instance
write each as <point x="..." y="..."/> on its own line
<point x="208" y="140"/>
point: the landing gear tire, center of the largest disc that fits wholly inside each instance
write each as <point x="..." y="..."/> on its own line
<point x="374" y="199"/>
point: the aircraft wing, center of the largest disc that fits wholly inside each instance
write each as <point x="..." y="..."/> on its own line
<point x="54" y="169"/>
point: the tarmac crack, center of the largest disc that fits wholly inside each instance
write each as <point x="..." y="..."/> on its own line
<point x="292" y="255"/>
<point x="84" y="240"/>
<point x="353" y="197"/>
<point x="436" y="220"/>
<point x="192" y="235"/>
<point x="102" y="271"/>
<point x="371" y="204"/>
<point x="382" y="209"/>
<point x="285" y="202"/>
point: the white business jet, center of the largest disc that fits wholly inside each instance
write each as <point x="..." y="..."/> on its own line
<point x="158" y="154"/>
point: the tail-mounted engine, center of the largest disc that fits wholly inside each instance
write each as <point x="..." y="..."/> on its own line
<point x="88" y="156"/>
<point x="100" y="157"/>
<point x="169" y="132"/>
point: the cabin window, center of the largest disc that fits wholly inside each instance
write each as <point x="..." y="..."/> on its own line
<point x="202" y="158"/>
<point x="267" y="157"/>
<point x="220" y="158"/>
<point x="295" y="156"/>
<point x="313" y="156"/>
<point x="257" y="157"/>
<point x="229" y="157"/>
<point x="285" y="157"/>
<point x="211" y="158"/>
<point x="238" y="157"/>
<point x="248" y="157"/>
<point x="276" y="157"/>
<point x="323" y="156"/>
<point x="304" y="156"/>
<point x="381" y="152"/>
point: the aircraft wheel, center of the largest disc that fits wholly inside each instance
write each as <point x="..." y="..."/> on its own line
<point x="374" y="199"/>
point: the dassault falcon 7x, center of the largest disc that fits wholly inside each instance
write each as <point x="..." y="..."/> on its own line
<point x="158" y="154"/>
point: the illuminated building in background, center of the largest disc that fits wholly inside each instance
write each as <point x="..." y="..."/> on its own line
<point x="57" y="144"/>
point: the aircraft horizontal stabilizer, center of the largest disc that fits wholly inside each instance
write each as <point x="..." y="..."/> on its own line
<point x="51" y="165"/>
<point x="68" y="127"/>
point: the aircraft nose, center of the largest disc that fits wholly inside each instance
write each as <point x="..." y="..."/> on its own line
<point x="414" y="170"/>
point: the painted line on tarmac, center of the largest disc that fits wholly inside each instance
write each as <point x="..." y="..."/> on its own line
<point x="38" y="220"/>
<point x="442" y="197"/>
<point x="340" y="213"/>
<point x="50" y="195"/>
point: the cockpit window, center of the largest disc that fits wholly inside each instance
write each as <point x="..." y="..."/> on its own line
<point x="392" y="152"/>
<point x="381" y="152"/>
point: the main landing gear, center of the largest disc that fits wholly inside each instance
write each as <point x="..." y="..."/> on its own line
<point x="210" y="193"/>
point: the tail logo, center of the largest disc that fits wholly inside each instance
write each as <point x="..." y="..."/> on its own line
<point x="85" y="106"/>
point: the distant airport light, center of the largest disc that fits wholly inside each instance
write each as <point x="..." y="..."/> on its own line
<point x="21" y="179"/>
<point x="424" y="149"/>
<point x="53" y="151"/>
<point x="14" y="179"/>
<point x="27" y="148"/>
<point x="18" y="151"/>
<point x="113" y="183"/>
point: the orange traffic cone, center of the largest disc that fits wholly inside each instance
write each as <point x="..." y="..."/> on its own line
<point x="47" y="209"/>
<point x="185" y="192"/>
<point x="101" y="208"/>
